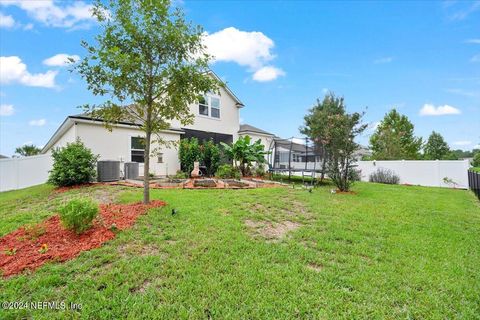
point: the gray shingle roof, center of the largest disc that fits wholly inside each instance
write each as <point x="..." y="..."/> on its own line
<point x="249" y="128"/>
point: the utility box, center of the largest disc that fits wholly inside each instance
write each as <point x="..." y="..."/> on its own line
<point x="108" y="170"/>
<point x="131" y="170"/>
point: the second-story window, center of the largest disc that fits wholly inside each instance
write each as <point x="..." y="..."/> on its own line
<point x="209" y="106"/>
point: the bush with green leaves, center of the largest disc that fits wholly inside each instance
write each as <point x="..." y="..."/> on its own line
<point x="383" y="175"/>
<point x="210" y="157"/>
<point x="260" y="171"/>
<point x="78" y="214"/>
<point x="227" y="171"/>
<point x="72" y="165"/>
<point x="476" y="160"/>
<point x="189" y="152"/>
<point x="180" y="175"/>
<point x="244" y="153"/>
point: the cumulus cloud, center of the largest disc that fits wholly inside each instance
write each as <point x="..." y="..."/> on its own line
<point x="54" y="13"/>
<point x="6" y="21"/>
<point x="60" y="60"/>
<point x="250" y="49"/>
<point x="13" y="70"/>
<point x="383" y="60"/>
<point x="6" y="110"/>
<point x="462" y="143"/>
<point x="37" y="123"/>
<point x="267" y="73"/>
<point x="431" y="110"/>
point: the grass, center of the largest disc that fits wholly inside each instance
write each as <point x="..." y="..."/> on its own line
<point x="387" y="252"/>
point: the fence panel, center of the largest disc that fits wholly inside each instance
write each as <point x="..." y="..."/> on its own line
<point x="474" y="182"/>
<point x="18" y="173"/>
<point x="422" y="172"/>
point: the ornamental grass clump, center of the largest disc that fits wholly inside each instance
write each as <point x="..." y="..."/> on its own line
<point x="78" y="214"/>
<point x="383" y="175"/>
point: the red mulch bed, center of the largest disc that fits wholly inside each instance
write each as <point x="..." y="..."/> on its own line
<point x="64" y="244"/>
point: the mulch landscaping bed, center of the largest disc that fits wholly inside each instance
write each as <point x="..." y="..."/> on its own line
<point x="20" y="251"/>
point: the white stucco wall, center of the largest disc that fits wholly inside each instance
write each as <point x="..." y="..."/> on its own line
<point x="116" y="145"/>
<point x="228" y="123"/>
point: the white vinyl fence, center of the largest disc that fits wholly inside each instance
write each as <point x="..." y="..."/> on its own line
<point x="422" y="172"/>
<point x="18" y="173"/>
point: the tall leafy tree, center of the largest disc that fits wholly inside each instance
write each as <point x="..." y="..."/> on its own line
<point x="316" y="123"/>
<point x="394" y="139"/>
<point x="436" y="147"/>
<point x="28" y="150"/>
<point x="148" y="56"/>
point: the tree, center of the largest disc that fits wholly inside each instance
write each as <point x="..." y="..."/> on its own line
<point x="243" y="153"/>
<point x="341" y="131"/>
<point x="149" y="56"/>
<point x="476" y="160"/>
<point x="436" y="148"/>
<point x="316" y="123"/>
<point x="394" y="139"/>
<point x="27" y="150"/>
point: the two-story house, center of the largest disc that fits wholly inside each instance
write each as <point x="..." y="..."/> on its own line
<point x="217" y="116"/>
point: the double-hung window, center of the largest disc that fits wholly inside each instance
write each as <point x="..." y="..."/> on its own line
<point x="209" y="106"/>
<point x="137" y="148"/>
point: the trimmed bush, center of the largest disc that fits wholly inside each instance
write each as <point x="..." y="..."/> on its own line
<point x="188" y="153"/>
<point x="78" y="214"/>
<point x="73" y="164"/>
<point x="227" y="171"/>
<point x="210" y="157"/>
<point x="383" y="175"/>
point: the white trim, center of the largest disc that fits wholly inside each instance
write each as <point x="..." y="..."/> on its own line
<point x="255" y="133"/>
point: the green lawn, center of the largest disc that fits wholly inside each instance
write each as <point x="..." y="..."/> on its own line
<point x="388" y="252"/>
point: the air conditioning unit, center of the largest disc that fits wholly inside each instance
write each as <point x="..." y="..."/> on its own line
<point x="131" y="170"/>
<point x="108" y="170"/>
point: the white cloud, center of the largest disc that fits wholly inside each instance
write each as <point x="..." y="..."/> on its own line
<point x="383" y="60"/>
<point x="431" y="110"/>
<point x="474" y="41"/>
<point x="51" y="14"/>
<point x="462" y="143"/>
<point x="475" y="58"/>
<point x="13" y="70"/>
<point x="37" y="123"/>
<point x="248" y="49"/>
<point x="267" y="73"/>
<point x="6" y="21"/>
<point x="60" y="60"/>
<point x="6" y="110"/>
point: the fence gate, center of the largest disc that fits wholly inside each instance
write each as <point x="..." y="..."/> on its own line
<point x="474" y="182"/>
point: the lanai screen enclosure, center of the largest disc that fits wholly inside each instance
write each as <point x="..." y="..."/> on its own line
<point x="295" y="156"/>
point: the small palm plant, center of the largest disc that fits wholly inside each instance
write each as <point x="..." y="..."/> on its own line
<point x="244" y="153"/>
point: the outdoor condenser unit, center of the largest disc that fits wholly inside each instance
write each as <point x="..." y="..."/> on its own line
<point x="108" y="170"/>
<point x="131" y="170"/>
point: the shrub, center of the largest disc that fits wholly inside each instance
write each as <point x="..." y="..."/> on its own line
<point x="189" y="152"/>
<point x="78" y="214"/>
<point x="476" y="160"/>
<point x="355" y="174"/>
<point x="210" y="157"/>
<point x="180" y="175"/>
<point x="73" y="164"/>
<point x="383" y="175"/>
<point x="227" y="171"/>
<point x="260" y="171"/>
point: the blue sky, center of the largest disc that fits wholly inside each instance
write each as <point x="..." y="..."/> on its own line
<point x="421" y="57"/>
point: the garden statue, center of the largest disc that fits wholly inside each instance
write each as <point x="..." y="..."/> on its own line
<point x="196" y="170"/>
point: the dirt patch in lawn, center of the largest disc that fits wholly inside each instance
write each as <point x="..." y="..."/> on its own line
<point x="138" y="248"/>
<point x="315" y="267"/>
<point x="18" y="251"/>
<point x="271" y="230"/>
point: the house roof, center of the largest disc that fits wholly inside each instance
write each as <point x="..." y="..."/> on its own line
<point x="230" y="92"/>
<point x="249" y="128"/>
<point x="3" y="157"/>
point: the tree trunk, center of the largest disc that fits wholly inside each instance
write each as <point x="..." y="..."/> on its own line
<point x="146" y="169"/>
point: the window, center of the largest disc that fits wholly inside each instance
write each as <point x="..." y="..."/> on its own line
<point x="209" y="106"/>
<point x="160" y="158"/>
<point x="215" y="107"/>
<point x="138" y="149"/>
<point x="203" y="106"/>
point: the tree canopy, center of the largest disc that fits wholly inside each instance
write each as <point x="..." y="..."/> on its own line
<point x="28" y="150"/>
<point x="394" y="139"/>
<point x="149" y="57"/>
<point x="436" y="148"/>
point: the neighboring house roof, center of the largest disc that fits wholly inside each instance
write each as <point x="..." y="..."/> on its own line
<point x="3" y="157"/>
<point x="245" y="128"/>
